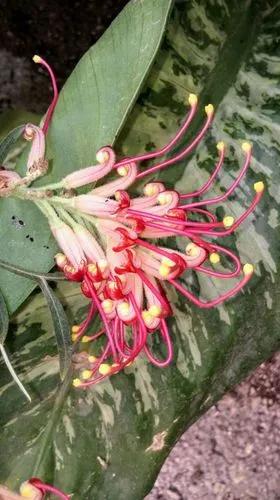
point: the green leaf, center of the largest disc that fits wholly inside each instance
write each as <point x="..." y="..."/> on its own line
<point x="9" y="141"/>
<point x="110" y="442"/>
<point x="92" y="108"/>
<point x="61" y="327"/>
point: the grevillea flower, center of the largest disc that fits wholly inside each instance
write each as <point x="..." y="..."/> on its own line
<point x="114" y="244"/>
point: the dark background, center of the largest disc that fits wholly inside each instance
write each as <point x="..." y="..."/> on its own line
<point x="61" y="32"/>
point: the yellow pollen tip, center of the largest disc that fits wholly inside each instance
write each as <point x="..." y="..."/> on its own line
<point x="92" y="268"/>
<point x="246" y="147"/>
<point x="228" y="221"/>
<point x="102" y="156"/>
<point x="164" y="270"/>
<point x="221" y="146"/>
<point x="214" y="258"/>
<point x="103" y="265"/>
<point x="104" y="369"/>
<point x="259" y="187"/>
<point x="209" y="109"/>
<point x="192" y="99"/>
<point x="27" y="490"/>
<point x="85" y="339"/>
<point x="92" y="359"/>
<point x="155" y="311"/>
<point x="122" y="171"/>
<point x="86" y="374"/>
<point x="248" y="269"/>
<point x="77" y="382"/>
<point x="108" y="306"/>
<point x="74" y="337"/>
<point x="192" y="250"/>
<point x="167" y="262"/>
<point x="149" y="190"/>
<point x="60" y="259"/>
<point x="75" y="329"/>
<point x="36" y="59"/>
<point x="147" y="317"/>
<point x="124" y="308"/>
<point x="164" y="198"/>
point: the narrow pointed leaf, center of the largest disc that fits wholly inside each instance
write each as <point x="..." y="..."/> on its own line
<point x="60" y="325"/>
<point x="9" y="141"/>
<point x="4" y="319"/>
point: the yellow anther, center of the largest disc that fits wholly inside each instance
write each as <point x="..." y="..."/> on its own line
<point x="246" y="147"/>
<point x="92" y="359"/>
<point x="221" y="146"/>
<point x="77" y="382"/>
<point x="192" y="250"/>
<point x="115" y="365"/>
<point x="228" y="221"/>
<point x="150" y="189"/>
<point x="85" y="339"/>
<point x="167" y="262"/>
<point x="92" y="269"/>
<point x="192" y="99"/>
<point x="36" y="59"/>
<point x="155" y="311"/>
<point x="75" y="329"/>
<point x="108" y="306"/>
<point x="102" y="156"/>
<point x="248" y="269"/>
<point x="74" y="337"/>
<point x="103" y="265"/>
<point x="214" y="258"/>
<point x="164" y="198"/>
<point x="28" y="133"/>
<point x="86" y="374"/>
<point x="147" y="317"/>
<point x="124" y="307"/>
<point x="69" y="269"/>
<point x="259" y="187"/>
<point x="60" y="259"/>
<point x="164" y="270"/>
<point x="104" y="369"/>
<point x="123" y="170"/>
<point x="27" y="490"/>
<point x="209" y="109"/>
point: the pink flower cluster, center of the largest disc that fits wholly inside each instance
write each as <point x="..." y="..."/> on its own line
<point x="111" y="244"/>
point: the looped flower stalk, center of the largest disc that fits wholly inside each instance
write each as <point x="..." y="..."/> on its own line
<point x="111" y="243"/>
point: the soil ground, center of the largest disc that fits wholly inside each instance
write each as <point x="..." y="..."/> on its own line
<point x="232" y="452"/>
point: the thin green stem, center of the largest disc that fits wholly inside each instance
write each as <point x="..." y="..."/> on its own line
<point x="13" y="373"/>
<point x="30" y="274"/>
